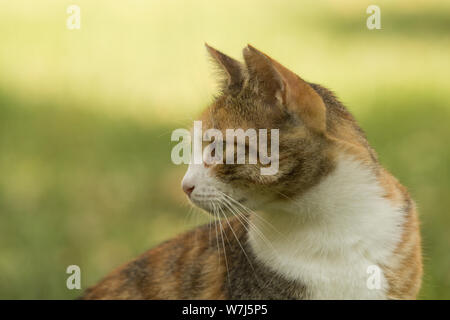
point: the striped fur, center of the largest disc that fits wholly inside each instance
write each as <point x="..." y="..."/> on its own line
<point x="310" y="231"/>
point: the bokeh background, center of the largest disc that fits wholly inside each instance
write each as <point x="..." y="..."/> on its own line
<point x="86" y="117"/>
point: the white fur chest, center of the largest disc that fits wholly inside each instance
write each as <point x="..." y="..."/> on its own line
<point x="334" y="238"/>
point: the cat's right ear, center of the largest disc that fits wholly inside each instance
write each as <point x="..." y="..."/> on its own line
<point x="230" y="68"/>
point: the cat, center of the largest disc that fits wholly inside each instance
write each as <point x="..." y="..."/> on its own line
<point x="331" y="223"/>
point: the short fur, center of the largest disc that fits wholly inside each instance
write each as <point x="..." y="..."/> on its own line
<point x="311" y="231"/>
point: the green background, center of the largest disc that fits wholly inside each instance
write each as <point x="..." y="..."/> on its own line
<point x="86" y="117"/>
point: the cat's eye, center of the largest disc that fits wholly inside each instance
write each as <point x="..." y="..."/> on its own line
<point x="212" y="153"/>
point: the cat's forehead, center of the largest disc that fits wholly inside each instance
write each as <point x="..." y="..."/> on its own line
<point x="234" y="114"/>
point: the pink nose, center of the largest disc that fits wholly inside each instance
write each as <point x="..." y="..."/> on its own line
<point x="188" y="189"/>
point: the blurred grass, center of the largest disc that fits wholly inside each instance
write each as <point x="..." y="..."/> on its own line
<point x="79" y="188"/>
<point x="86" y="117"/>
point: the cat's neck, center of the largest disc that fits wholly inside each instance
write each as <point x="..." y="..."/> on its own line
<point x="343" y="224"/>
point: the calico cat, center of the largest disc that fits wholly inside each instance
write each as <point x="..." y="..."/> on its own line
<point x="332" y="223"/>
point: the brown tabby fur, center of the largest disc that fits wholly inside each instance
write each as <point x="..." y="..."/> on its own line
<point x="314" y="128"/>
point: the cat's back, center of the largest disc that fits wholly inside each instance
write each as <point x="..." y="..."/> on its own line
<point x="213" y="261"/>
<point x="184" y="267"/>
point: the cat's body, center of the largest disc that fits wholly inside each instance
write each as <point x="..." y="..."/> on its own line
<point x="195" y="265"/>
<point x="331" y="224"/>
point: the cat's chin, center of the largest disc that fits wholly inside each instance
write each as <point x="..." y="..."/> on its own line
<point x="209" y="207"/>
<point x="214" y="208"/>
<point x="222" y="210"/>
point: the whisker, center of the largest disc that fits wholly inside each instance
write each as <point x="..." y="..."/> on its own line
<point x="242" y="248"/>
<point x="268" y="282"/>
<point x="217" y="235"/>
<point x="237" y="239"/>
<point x="240" y="215"/>
<point x="252" y="213"/>
<point x="209" y="226"/>
<point x="223" y="244"/>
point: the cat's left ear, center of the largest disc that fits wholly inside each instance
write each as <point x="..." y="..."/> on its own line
<point x="277" y="84"/>
<point x="231" y="69"/>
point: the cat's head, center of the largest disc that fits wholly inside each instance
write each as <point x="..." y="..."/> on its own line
<point x="262" y="94"/>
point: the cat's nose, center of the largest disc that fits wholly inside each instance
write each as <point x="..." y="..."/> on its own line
<point x="188" y="188"/>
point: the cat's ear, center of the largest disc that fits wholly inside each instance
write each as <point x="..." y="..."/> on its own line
<point x="232" y="70"/>
<point x="277" y="84"/>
